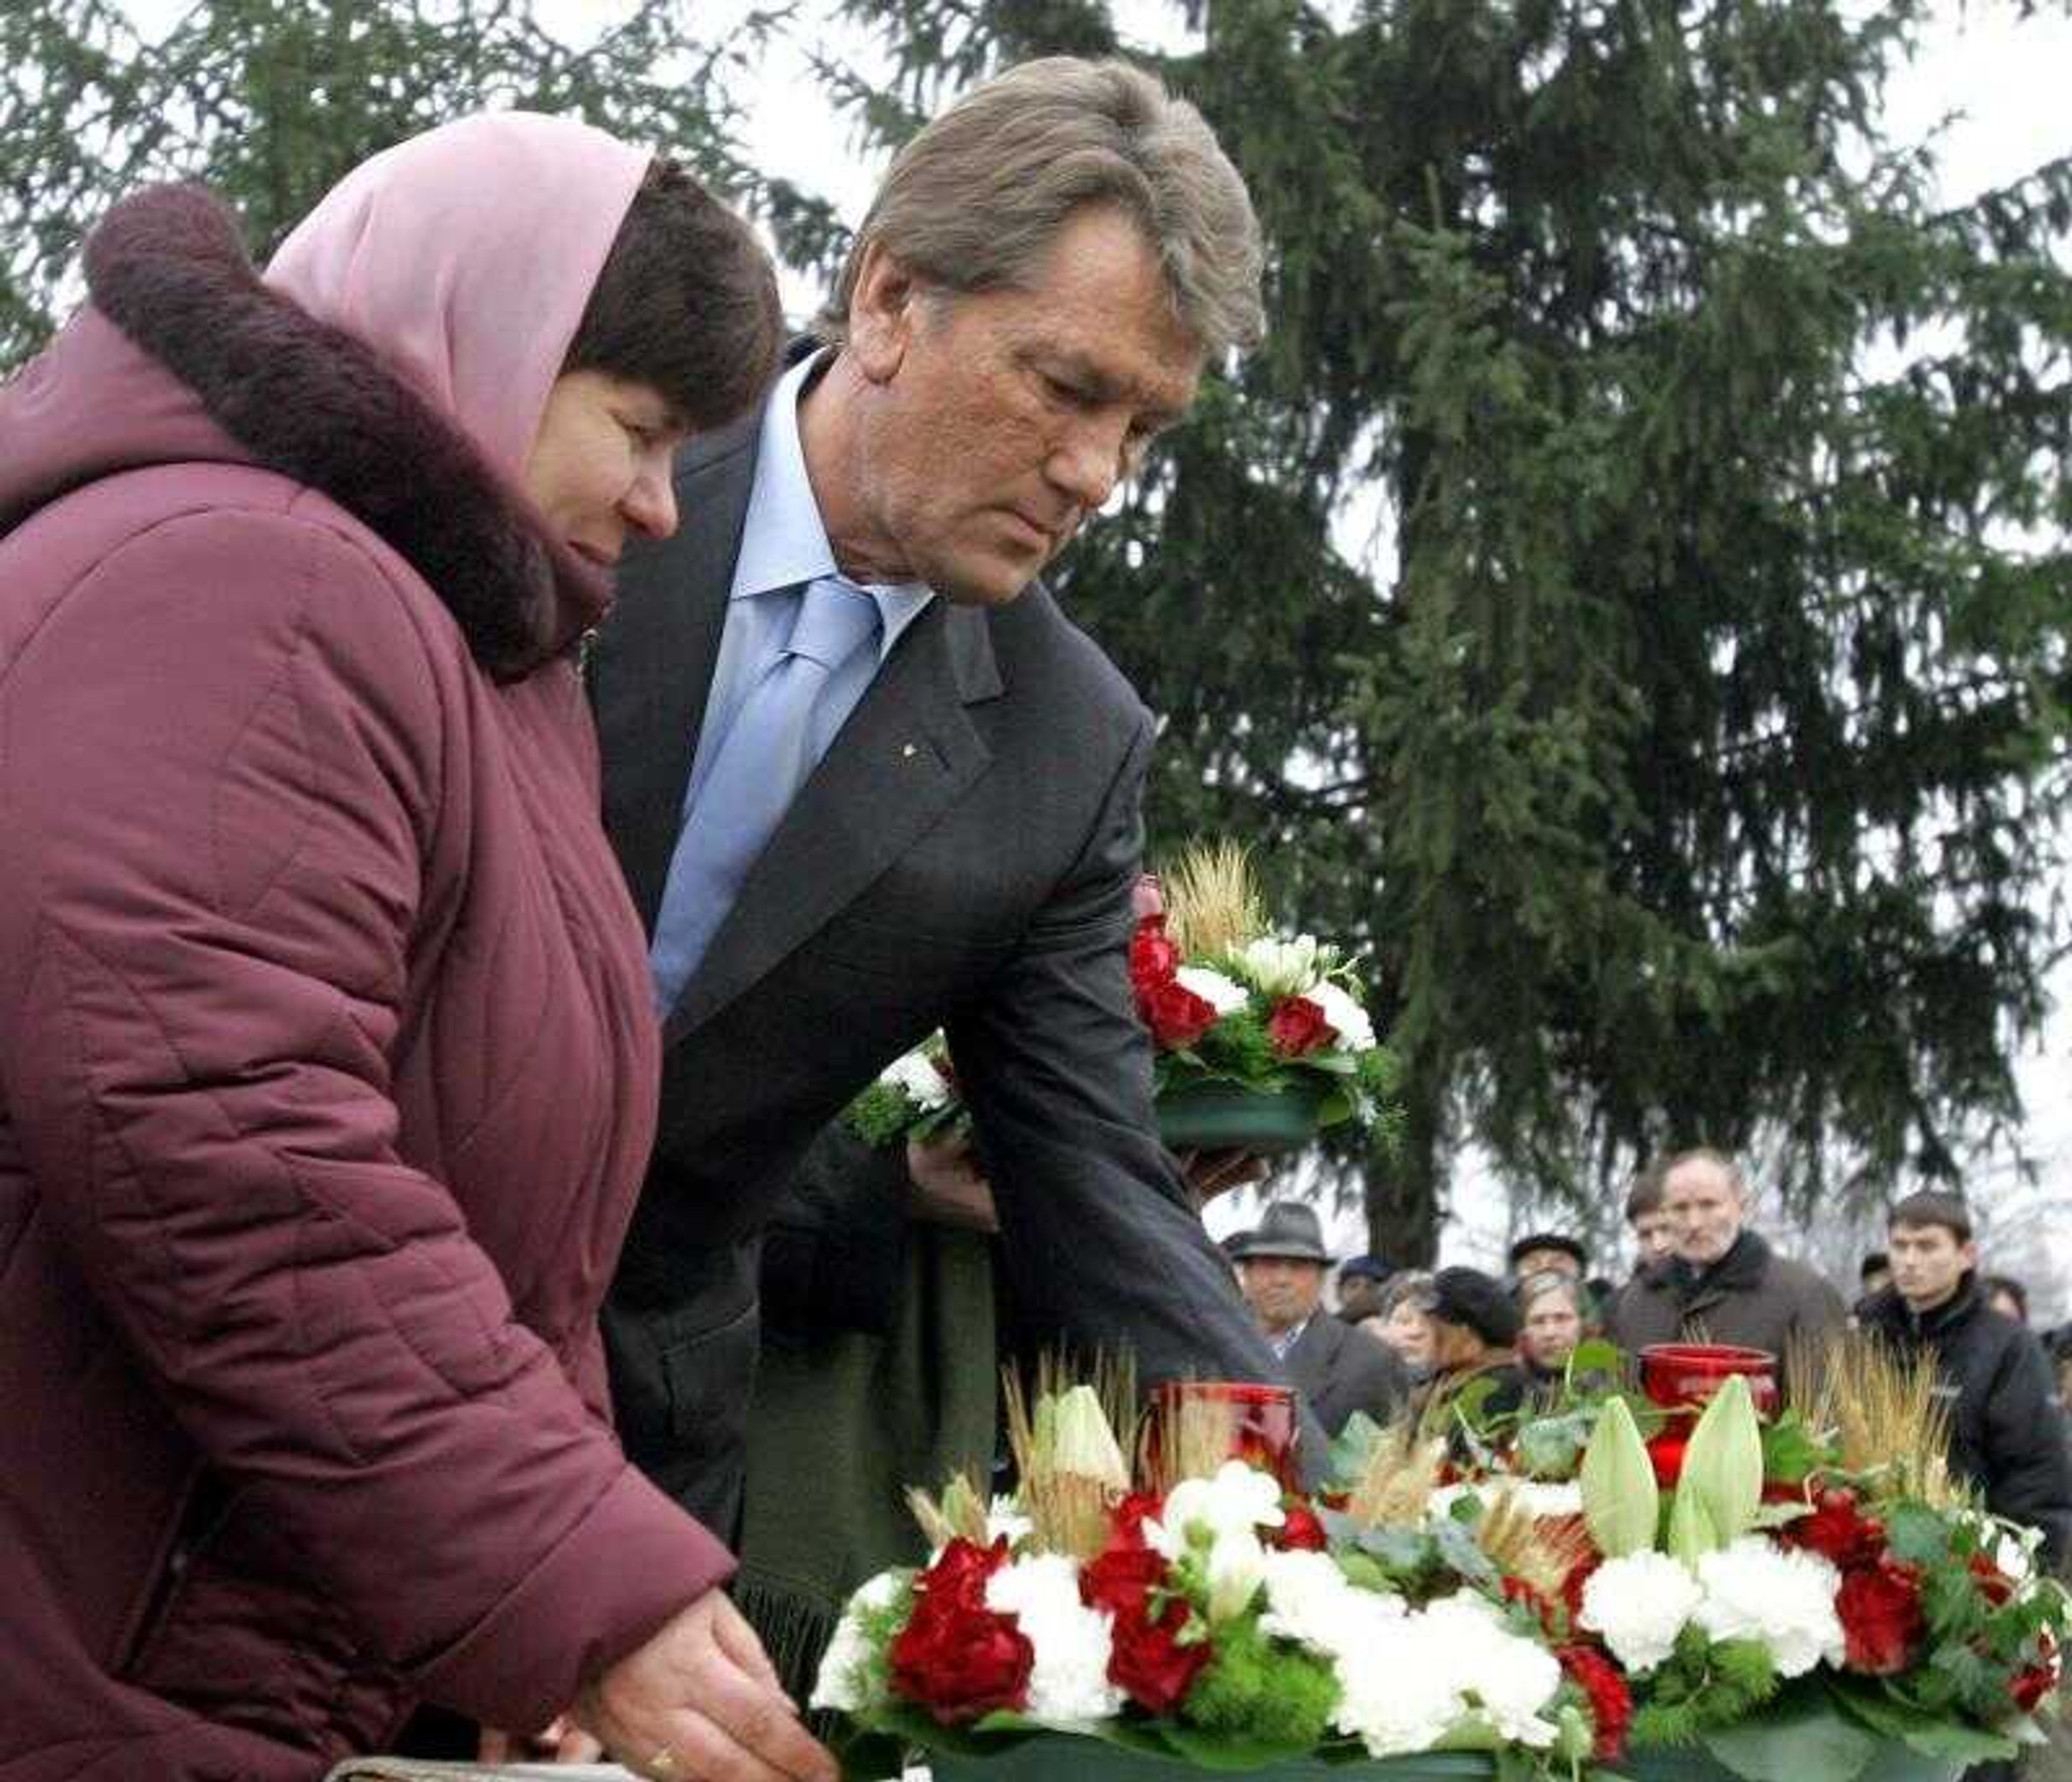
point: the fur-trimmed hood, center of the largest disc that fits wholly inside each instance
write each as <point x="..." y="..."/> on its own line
<point x="184" y="355"/>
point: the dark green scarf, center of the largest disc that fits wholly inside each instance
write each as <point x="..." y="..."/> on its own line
<point x="842" y="1425"/>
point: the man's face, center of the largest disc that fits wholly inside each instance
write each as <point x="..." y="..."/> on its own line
<point x="1282" y="1290"/>
<point x="1000" y="419"/>
<point x="1533" y="1262"/>
<point x="1927" y="1263"/>
<point x="1704" y="1209"/>
<point x="1654" y="1236"/>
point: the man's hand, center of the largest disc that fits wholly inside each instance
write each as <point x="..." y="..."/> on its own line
<point x="1212" y="1173"/>
<point x="700" y="1699"/>
<point x="946" y="1187"/>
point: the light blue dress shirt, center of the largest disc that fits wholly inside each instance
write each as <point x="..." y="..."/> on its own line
<point x="784" y="547"/>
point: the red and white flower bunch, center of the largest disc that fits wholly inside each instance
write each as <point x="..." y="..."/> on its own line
<point x="1221" y="1618"/>
<point x="1229" y="1000"/>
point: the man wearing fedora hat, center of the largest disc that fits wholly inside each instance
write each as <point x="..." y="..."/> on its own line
<point x="1337" y="1368"/>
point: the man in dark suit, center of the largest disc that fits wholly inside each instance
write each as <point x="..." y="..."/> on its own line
<point x="1337" y="1368"/>
<point x="934" y="818"/>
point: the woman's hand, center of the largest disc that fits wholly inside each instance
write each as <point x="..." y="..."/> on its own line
<point x="562" y="1741"/>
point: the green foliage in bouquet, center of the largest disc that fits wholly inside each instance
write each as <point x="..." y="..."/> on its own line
<point x="1263" y="1694"/>
<point x="915" y="1097"/>
<point x="1704" y="1685"/>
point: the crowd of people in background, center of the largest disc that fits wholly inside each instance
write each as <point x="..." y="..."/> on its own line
<point x="1699" y="1273"/>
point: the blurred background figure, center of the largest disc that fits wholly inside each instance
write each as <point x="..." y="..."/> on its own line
<point x="1361" y="1279"/>
<point x="1554" y="1311"/>
<point x="1404" y="1323"/>
<point x="1540" y="1252"/>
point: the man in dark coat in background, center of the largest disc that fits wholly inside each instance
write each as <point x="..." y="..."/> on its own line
<point x="2007" y="1422"/>
<point x="1337" y="1368"/>
<point x="1721" y="1283"/>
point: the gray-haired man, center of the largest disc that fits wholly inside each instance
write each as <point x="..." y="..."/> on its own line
<point x="934" y="818"/>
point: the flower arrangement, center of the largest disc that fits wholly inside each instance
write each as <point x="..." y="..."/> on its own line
<point x="1262" y="1039"/>
<point x="1198" y="1611"/>
<point x="1233" y="1005"/>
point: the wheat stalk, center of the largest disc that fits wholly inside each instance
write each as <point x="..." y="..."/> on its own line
<point x="1879" y="1408"/>
<point x="1394" y="1486"/>
<point x="1068" y="1512"/>
<point x="1212" y="906"/>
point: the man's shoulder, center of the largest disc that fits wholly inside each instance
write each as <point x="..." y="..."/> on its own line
<point x="1032" y="634"/>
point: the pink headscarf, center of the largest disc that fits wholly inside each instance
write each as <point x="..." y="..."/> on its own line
<point x="464" y="257"/>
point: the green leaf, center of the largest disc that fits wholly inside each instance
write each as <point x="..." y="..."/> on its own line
<point x="1799" y="1734"/>
<point x="1691" y="1535"/>
<point x="1723" y="1463"/>
<point x="1883" y="1712"/>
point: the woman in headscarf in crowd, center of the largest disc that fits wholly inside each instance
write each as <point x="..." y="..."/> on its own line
<point x="328" y="1062"/>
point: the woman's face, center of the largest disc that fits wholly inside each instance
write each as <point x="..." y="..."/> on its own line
<point x="600" y="464"/>
<point x="1408" y="1332"/>
<point x="1553" y="1327"/>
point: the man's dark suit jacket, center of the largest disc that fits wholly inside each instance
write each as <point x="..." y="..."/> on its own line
<point x="1341" y="1369"/>
<point x="963" y="858"/>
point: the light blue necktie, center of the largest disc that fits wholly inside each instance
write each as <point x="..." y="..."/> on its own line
<point x="764" y="759"/>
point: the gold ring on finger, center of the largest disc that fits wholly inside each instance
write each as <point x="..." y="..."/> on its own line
<point x="662" y="1766"/>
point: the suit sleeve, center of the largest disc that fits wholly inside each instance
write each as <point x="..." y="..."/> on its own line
<point x="1102" y="1243"/>
<point x="835" y="1256"/>
<point x="225" y="772"/>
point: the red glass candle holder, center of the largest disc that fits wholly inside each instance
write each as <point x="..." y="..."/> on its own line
<point x="1246" y="1421"/>
<point x="1681" y="1377"/>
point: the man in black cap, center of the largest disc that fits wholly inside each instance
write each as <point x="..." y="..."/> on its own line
<point x="1548" y="1252"/>
<point x="1339" y="1370"/>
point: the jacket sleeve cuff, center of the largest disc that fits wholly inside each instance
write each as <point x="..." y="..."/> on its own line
<point x="633" y="1560"/>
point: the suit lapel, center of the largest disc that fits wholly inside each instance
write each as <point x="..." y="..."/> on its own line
<point x="653" y="667"/>
<point x="906" y="754"/>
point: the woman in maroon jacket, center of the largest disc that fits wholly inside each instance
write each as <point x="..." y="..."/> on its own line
<point x="327" y="1060"/>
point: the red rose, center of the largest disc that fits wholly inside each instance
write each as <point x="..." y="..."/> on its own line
<point x="955" y="1657"/>
<point x="1835" y="1530"/>
<point x="1611" y="1701"/>
<point x="2026" y="1688"/>
<point x="962" y="1664"/>
<point x="1880" y="1606"/>
<point x="1995" y="1585"/>
<point x="1175" y="1015"/>
<point x="1300" y="1530"/>
<point x="1130" y="1514"/>
<point x="1120" y="1578"/>
<point x="1152" y="956"/>
<point x="1147" y="1662"/>
<point x="1297" y="1026"/>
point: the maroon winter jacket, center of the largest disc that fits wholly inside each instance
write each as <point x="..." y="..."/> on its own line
<point x="326" y="1063"/>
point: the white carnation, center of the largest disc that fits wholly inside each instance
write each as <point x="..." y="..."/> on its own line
<point x="1310" y="1601"/>
<point x="1068" y="1682"/>
<point x="1782" y="1597"/>
<point x="1412" y="1680"/>
<point x="1536" y="1496"/>
<point x="1348" y="1019"/>
<point x="916" y="1076"/>
<point x="1281" y="968"/>
<point x="840" y="1686"/>
<point x="1214" y="988"/>
<point x="1640" y="1602"/>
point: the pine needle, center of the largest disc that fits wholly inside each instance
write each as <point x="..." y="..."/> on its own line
<point x="1212" y="906"/>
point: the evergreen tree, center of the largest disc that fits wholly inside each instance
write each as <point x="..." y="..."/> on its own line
<point x="1687" y="750"/>
<point x="272" y="102"/>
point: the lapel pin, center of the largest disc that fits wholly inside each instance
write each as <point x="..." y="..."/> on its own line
<point x="907" y="751"/>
